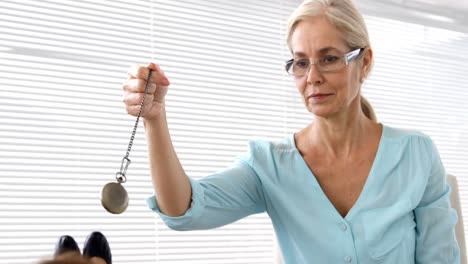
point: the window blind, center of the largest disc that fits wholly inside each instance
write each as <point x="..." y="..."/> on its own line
<point x="64" y="130"/>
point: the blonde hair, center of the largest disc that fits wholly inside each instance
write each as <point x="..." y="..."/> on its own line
<point x="344" y="15"/>
<point x="367" y="109"/>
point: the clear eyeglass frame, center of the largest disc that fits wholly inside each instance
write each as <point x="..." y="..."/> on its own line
<point x="293" y="67"/>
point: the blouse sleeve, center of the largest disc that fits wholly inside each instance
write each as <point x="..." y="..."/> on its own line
<point x="435" y="219"/>
<point x="220" y="198"/>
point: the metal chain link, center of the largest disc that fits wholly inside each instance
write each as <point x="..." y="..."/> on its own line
<point x="139" y="114"/>
<point x="126" y="161"/>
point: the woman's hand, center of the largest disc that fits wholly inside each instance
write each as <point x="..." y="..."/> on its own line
<point x="134" y="87"/>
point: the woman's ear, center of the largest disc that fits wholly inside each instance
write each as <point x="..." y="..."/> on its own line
<point x="366" y="63"/>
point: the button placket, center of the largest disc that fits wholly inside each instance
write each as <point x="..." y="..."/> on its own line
<point x="343" y="226"/>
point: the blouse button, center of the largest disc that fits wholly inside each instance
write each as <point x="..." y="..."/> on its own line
<point x="347" y="259"/>
<point x="344" y="227"/>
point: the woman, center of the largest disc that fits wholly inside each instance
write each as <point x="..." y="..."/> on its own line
<point x="343" y="189"/>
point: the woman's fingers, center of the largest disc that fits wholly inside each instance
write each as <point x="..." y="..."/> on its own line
<point x="141" y="72"/>
<point x="131" y="99"/>
<point x="134" y="88"/>
<point x="138" y="86"/>
<point x="133" y="102"/>
<point x="147" y="109"/>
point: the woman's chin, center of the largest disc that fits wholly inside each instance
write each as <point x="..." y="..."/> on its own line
<point x="322" y="111"/>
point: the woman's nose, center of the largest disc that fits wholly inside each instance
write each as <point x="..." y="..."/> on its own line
<point x="314" y="77"/>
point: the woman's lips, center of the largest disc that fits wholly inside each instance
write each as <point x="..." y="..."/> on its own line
<point x="319" y="97"/>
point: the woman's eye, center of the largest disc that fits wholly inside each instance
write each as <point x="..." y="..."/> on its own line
<point x="329" y="59"/>
<point x="302" y="63"/>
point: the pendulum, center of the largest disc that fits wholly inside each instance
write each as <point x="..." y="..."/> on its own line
<point x="114" y="197"/>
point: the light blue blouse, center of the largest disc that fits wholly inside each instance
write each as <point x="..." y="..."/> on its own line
<point x="402" y="215"/>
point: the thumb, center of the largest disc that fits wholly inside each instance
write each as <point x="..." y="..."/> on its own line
<point x="153" y="66"/>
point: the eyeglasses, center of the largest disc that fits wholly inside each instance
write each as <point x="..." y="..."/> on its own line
<point x="327" y="63"/>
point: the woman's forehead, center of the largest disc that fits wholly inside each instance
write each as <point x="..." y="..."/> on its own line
<point x="316" y="35"/>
